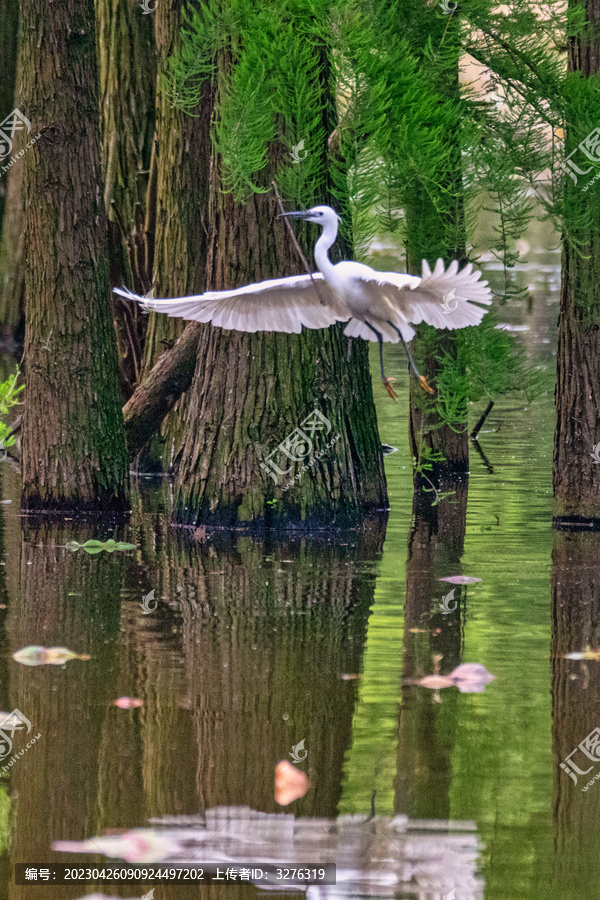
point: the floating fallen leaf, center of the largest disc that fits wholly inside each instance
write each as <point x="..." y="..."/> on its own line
<point x="471" y="678"/>
<point x="460" y="579"/>
<point x="290" y="783"/>
<point x="434" y="682"/>
<point x="348" y="677"/>
<point x="42" y="656"/>
<point x="141" y="845"/>
<point x="584" y="654"/>
<point x="418" y="630"/>
<point x="128" y="702"/>
<point x="98" y="546"/>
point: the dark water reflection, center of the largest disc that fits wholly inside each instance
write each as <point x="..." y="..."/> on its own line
<point x="254" y="647"/>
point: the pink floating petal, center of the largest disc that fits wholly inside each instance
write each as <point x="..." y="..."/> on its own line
<point x="460" y="579"/>
<point x="471" y="678"/>
<point x="434" y="682"/>
<point x="128" y="702"/>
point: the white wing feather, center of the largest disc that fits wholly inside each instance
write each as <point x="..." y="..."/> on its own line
<point x="425" y="301"/>
<point x="281" y="304"/>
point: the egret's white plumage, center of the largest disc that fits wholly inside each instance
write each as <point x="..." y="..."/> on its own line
<point x="377" y="306"/>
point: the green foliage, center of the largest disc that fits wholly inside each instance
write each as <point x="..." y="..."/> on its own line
<point x="9" y="392"/>
<point x="486" y="363"/>
<point x="271" y="60"/>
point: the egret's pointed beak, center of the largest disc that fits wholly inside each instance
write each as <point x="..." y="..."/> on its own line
<point x="298" y="215"/>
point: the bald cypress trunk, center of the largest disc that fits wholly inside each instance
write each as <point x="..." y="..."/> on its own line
<point x="576" y="473"/>
<point x="127" y="71"/>
<point x="432" y="232"/>
<point x="73" y="444"/>
<point x="183" y="161"/>
<point x="11" y="181"/>
<point x="9" y="17"/>
<point x="253" y="392"/>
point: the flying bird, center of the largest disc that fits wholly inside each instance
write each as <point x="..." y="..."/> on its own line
<point x="377" y="306"/>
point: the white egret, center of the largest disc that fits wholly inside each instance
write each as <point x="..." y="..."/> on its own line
<point x="377" y="306"/>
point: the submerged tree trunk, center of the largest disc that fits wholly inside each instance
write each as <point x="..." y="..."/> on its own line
<point x="127" y="70"/>
<point x="576" y="473"/>
<point x="73" y="444"/>
<point x="184" y="153"/>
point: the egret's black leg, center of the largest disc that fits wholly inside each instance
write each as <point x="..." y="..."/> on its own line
<point x="410" y="359"/>
<point x="386" y="381"/>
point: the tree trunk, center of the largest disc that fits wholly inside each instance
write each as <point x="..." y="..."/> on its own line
<point x="425" y="738"/>
<point x="160" y="390"/>
<point x="127" y="68"/>
<point x="184" y="152"/>
<point x="9" y="16"/>
<point x="576" y="472"/>
<point x="575" y="700"/>
<point x="252" y="391"/>
<point x="433" y="232"/>
<point x="12" y="270"/>
<point x="73" y="444"/>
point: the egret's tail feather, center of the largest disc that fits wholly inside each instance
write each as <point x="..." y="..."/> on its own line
<point x="447" y="298"/>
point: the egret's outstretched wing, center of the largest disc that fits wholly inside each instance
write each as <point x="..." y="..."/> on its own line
<point x="282" y="304"/>
<point x="446" y="298"/>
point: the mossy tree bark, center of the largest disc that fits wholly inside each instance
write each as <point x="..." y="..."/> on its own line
<point x="9" y="16"/>
<point x="436" y="230"/>
<point x="127" y="69"/>
<point x="184" y="153"/>
<point x="576" y="476"/>
<point x="11" y="182"/>
<point x="73" y="442"/>
<point x="251" y="392"/>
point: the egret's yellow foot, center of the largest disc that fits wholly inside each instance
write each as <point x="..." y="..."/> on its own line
<point x="387" y="383"/>
<point x="425" y="384"/>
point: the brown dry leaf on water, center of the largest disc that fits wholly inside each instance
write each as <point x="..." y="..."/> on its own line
<point x="290" y="783"/>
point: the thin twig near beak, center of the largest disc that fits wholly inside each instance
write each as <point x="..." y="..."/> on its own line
<point x="297" y="245"/>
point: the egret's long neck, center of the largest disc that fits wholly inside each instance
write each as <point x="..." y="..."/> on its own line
<point x="327" y="238"/>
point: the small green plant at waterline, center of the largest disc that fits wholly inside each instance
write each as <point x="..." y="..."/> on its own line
<point x="8" y="399"/>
